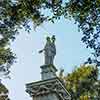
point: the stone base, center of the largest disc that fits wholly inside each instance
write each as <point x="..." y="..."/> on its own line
<point x="51" y="89"/>
<point x="48" y="72"/>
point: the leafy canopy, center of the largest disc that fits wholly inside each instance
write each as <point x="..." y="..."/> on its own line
<point x="81" y="83"/>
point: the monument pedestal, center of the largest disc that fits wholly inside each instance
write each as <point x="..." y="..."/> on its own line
<point x="49" y="88"/>
<point x="48" y="72"/>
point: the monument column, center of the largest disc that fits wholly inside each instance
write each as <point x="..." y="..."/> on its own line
<point x="48" y="72"/>
<point x="50" y="87"/>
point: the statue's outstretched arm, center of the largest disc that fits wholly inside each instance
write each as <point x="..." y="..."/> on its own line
<point x="40" y="51"/>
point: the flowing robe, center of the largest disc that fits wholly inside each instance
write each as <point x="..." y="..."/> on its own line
<point x="50" y="52"/>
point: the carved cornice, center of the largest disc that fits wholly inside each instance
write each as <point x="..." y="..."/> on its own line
<point x="46" y="87"/>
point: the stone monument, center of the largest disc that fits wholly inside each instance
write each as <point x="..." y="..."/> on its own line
<point x="50" y="87"/>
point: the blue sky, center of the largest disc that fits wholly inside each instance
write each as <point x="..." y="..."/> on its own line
<point x="70" y="53"/>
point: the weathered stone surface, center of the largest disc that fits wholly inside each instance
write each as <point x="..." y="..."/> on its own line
<point x="48" y="72"/>
<point x="51" y="89"/>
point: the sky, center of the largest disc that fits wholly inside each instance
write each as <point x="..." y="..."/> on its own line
<point x="71" y="52"/>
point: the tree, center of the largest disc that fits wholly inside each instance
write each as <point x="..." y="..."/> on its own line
<point x="81" y="82"/>
<point x="3" y="92"/>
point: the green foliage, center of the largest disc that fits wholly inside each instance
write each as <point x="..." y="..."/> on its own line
<point x="4" y="90"/>
<point x="80" y="83"/>
<point x="6" y="60"/>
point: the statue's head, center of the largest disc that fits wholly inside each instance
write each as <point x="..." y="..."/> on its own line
<point x="53" y="38"/>
<point x="48" y="38"/>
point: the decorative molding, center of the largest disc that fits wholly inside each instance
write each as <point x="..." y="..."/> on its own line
<point x="49" y="86"/>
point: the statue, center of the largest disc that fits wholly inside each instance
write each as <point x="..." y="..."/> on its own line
<point x="49" y="50"/>
<point x="53" y="49"/>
